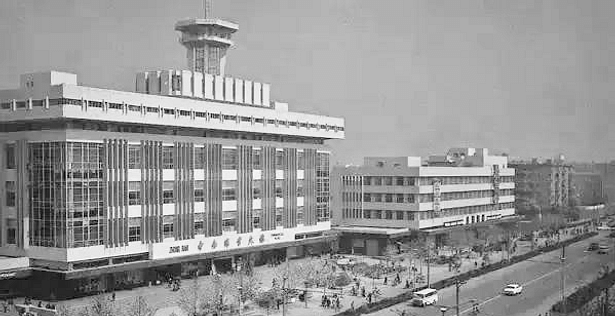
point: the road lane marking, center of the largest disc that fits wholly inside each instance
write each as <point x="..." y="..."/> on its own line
<point x="525" y="284"/>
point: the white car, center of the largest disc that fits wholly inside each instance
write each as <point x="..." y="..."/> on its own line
<point x="513" y="289"/>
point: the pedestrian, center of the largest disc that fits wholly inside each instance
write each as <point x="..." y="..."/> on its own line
<point x="352" y="305"/>
<point x="385" y="280"/>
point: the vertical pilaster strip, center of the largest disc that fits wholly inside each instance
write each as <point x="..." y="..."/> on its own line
<point x="159" y="188"/>
<point x="143" y="188"/>
<point x="2" y="193"/>
<point x="268" y="188"/>
<point x="21" y="150"/>
<point x="190" y="190"/>
<point x="309" y="187"/>
<point x="106" y="191"/>
<point x="214" y="188"/>
<point x="125" y="168"/>
<point x="290" y="188"/>
<point x="244" y="189"/>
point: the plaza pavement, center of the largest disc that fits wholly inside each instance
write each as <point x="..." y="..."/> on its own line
<point x="161" y="297"/>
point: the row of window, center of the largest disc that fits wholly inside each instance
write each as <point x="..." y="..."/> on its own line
<point x="230" y="158"/>
<point x="412" y="181"/>
<point x="173" y="111"/>
<point x="411" y="215"/>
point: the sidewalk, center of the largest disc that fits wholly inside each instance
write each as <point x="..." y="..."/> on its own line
<point x="162" y="298"/>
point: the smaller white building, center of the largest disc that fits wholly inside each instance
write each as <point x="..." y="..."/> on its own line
<point x="464" y="187"/>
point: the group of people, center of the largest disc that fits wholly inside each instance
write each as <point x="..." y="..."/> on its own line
<point x="174" y="284"/>
<point x="28" y="301"/>
<point x="274" y="262"/>
<point x="396" y="280"/>
<point x="330" y="302"/>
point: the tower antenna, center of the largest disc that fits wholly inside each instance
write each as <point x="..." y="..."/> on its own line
<point x="206" y="8"/>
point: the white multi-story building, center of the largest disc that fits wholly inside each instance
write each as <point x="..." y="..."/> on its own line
<point x="104" y="188"/>
<point x="393" y="196"/>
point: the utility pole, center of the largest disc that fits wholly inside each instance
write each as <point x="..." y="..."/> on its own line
<point x="428" y="259"/>
<point x="284" y="296"/>
<point x="458" y="285"/>
<point x="563" y="279"/>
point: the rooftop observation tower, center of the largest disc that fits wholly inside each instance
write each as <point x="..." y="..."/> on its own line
<point x="206" y="41"/>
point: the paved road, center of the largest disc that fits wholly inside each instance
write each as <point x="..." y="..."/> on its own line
<point x="540" y="277"/>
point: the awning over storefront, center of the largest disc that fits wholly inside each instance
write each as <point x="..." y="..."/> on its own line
<point x="92" y="272"/>
<point x="382" y="231"/>
<point x="502" y="220"/>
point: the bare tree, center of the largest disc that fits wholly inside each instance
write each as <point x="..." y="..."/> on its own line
<point x="140" y="307"/>
<point x="101" y="306"/>
<point x="189" y="299"/>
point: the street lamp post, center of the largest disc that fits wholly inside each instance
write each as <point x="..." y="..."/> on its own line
<point x="443" y="310"/>
<point x="284" y="296"/>
<point x="240" y="287"/>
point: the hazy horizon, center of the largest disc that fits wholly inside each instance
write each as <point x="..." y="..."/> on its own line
<point x="411" y="78"/>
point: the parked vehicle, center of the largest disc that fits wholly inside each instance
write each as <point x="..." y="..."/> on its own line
<point x="425" y="297"/>
<point x="593" y="246"/>
<point x="513" y="289"/>
<point x="604" y="249"/>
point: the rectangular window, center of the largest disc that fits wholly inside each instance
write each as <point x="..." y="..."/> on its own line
<point x="367" y="180"/>
<point x="176" y="82"/>
<point x="410" y="198"/>
<point x="377" y="197"/>
<point x="279" y="159"/>
<point x="134" y="193"/>
<point x="389" y="198"/>
<point x="367" y="197"/>
<point x="167" y="230"/>
<point x="388" y="180"/>
<point x="377" y="180"/>
<point x="199" y="158"/>
<point x="199" y="191"/>
<point x="399" y="215"/>
<point x="278" y="216"/>
<point x="9" y="152"/>
<point x="228" y="225"/>
<point x="134" y="156"/>
<point x="399" y="181"/>
<point x="168" y="157"/>
<point x="229" y="158"/>
<point x="389" y="214"/>
<point x="10" y="193"/>
<point x="134" y="233"/>
<point x="257" y="163"/>
<point x="199" y="227"/>
<point x="256" y="220"/>
<point x="300" y="188"/>
<point x="300" y="160"/>
<point x="228" y="190"/>
<point x="257" y="189"/>
<point x="367" y="214"/>
<point x="278" y="188"/>
<point x="400" y="198"/>
<point x="167" y="192"/>
<point x="299" y="214"/>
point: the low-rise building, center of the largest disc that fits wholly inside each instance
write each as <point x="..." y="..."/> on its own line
<point x="391" y="197"/>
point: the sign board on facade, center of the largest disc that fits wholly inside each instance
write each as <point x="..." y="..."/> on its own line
<point x="227" y="242"/>
<point x="436" y="195"/>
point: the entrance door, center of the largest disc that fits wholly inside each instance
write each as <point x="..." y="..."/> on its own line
<point x="371" y="246"/>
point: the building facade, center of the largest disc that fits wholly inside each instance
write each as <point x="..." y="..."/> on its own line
<point x="607" y="172"/>
<point x="391" y="196"/>
<point x="586" y="188"/>
<point x="101" y="188"/>
<point x="542" y="185"/>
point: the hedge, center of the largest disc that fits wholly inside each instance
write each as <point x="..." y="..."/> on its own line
<point x="585" y="294"/>
<point x="405" y="296"/>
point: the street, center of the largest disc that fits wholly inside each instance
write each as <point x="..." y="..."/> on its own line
<point x="539" y="276"/>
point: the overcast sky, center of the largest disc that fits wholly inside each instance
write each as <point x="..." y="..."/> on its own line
<point x="529" y="78"/>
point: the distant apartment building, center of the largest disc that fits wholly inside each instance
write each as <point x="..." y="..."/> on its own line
<point x="104" y="188"/>
<point x="541" y="185"/>
<point x="586" y="188"/>
<point x="607" y="172"/>
<point x="390" y="197"/>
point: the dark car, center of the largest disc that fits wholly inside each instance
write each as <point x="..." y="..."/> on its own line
<point x="593" y="246"/>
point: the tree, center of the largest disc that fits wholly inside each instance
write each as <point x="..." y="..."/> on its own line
<point x="63" y="310"/>
<point x="189" y="299"/>
<point x="101" y="306"/>
<point x="140" y="307"/>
